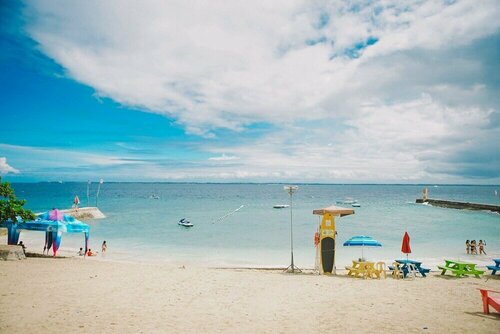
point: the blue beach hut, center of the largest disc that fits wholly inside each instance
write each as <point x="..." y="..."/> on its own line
<point x="53" y="223"/>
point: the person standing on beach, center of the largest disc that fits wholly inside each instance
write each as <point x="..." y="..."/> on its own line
<point x="104" y="247"/>
<point x="481" y="247"/>
<point x="467" y="246"/>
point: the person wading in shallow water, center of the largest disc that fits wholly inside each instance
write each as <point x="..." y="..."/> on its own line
<point x="467" y="246"/>
<point x="473" y="249"/>
<point x="481" y="247"/>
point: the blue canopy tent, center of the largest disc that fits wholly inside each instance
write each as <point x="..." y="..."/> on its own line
<point x="53" y="223"/>
<point x="362" y="240"/>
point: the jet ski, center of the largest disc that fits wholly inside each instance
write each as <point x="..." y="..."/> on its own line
<point x="186" y="223"/>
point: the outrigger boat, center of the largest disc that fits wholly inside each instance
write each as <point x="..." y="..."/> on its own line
<point x="186" y="223"/>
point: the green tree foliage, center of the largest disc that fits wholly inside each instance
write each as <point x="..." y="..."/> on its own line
<point x="11" y="207"/>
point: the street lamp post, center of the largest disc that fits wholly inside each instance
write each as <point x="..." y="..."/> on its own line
<point x="290" y="190"/>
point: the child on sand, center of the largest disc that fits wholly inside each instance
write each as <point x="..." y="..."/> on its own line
<point x="90" y="253"/>
<point x="23" y="246"/>
<point x="104" y="247"/>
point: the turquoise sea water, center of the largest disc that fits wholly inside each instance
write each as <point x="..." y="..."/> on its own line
<point x="140" y="228"/>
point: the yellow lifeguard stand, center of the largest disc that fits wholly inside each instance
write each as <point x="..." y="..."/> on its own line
<point x="325" y="254"/>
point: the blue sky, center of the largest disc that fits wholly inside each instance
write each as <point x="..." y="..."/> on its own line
<point x="288" y="91"/>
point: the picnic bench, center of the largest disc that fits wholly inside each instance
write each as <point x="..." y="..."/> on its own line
<point x="494" y="268"/>
<point x="459" y="268"/>
<point x="363" y="269"/>
<point x="407" y="265"/>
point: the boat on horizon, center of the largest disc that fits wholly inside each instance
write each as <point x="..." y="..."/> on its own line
<point x="281" y="206"/>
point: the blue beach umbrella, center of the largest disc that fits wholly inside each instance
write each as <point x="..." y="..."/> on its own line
<point x="362" y="240"/>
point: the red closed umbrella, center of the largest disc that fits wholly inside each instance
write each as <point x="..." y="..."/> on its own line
<point x="405" y="247"/>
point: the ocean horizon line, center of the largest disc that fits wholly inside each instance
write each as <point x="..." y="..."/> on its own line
<point x="271" y="183"/>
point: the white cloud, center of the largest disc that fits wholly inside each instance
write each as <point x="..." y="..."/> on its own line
<point x="5" y="168"/>
<point x="224" y="64"/>
<point x="413" y="95"/>
<point x="50" y="157"/>
<point x="223" y="157"/>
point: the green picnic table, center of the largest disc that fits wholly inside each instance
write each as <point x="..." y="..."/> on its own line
<point x="460" y="268"/>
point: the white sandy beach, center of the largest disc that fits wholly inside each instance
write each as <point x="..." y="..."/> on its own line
<point x="72" y="295"/>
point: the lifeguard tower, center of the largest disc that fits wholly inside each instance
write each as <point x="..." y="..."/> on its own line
<point x="326" y="237"/>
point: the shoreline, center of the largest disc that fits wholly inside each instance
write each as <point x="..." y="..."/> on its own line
<point x="34" y="243"/>
<point x="68" y="295"/>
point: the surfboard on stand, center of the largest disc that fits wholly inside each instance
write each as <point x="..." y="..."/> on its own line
<point x="327" y="254"/>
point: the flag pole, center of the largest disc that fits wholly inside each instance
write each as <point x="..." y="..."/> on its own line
<point x="88" y="193"/>
<point x="98" y="190"/>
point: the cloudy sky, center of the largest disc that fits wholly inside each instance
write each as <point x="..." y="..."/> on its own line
<point x="251" y="91"/>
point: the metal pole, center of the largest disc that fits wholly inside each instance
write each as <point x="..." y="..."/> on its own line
<point x="290" y="190"/>
<point x="88" y="193"/>
<point x="98" y="189"/>
<point x="291" y="230"/>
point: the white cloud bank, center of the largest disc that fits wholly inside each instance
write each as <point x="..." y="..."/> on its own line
<point x="401" y="84"/>
<point x="5" y="168"/>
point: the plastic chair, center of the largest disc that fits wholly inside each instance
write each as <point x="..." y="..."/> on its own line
<point x="489" y="300"/>
<point x="412" y="271"/>
<point x="381" y="268"/>
<point x="397" y="271"/>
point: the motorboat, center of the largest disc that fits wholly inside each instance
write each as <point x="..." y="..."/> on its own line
<point x="356" y="205"/>
<point x="186" y="223"/>
<point x="281" y="206"/>
<point x="347" y="200"/>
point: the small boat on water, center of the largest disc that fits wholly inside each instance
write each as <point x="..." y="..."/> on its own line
<point x="281" y="206"/>
<point x="347" y="200"/>
<point x="356" y="205"/>
<point x="186" y="223"/>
